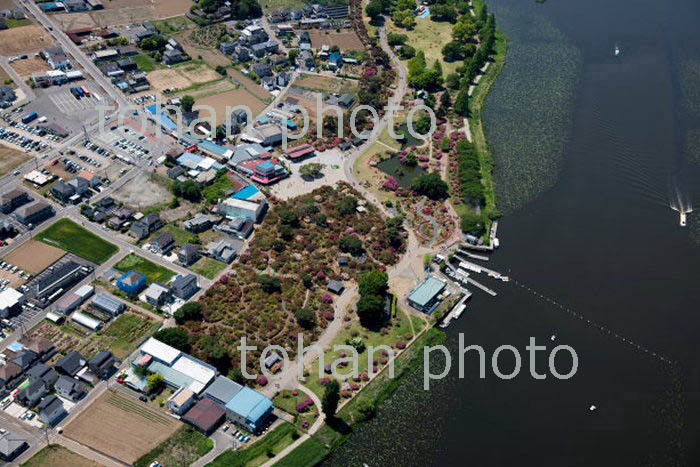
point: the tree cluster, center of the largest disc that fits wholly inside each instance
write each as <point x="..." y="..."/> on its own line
<point x="469" y="174"/>
<point x="373" y="287"/>
<point x="430" y="185"/>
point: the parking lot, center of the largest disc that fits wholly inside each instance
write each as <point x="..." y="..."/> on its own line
<point x="67" y="103"/>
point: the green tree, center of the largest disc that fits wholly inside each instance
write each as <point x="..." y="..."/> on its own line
<point x="348" y="205"/>
<point x="306" y="318"/>
<point x="292" y="56"/>
<point x="220" y="69"/>
<point x="472" y="223"/>
<point x="365" y="408"/>
<point x="370" y="309"/>
<point x="461" y="104"/>
<point x="430" y="185"/>
<point x="374" y="282"/>
<point x="452" y="81"/>
<point x="269" y="283"/>
<point x="311" y="170"/>
<point x="191" y="311"/>
<point x="155" y="383"/>
<point x="220" y="133"/>
<point x="351" y="244"/>
<point x="289" y="217"/>
<point x="331" y="397"/>
<point x="453" y="51"/>
<point x="189" y="190"/>
<point x="174" y="337"/>
<point x="187" y="102"/>
<point x="374" y="9"/>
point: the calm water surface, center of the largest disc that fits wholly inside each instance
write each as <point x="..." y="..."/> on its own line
<point x="600" y="240"/>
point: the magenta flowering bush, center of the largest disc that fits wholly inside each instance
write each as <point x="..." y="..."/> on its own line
<point x="262" y="381"/>
<point x="304" y="405"/>
<point x="324" y="381"/>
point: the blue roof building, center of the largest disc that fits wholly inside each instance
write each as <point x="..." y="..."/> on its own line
<point x="165" y="121"/>
<point x="249" y="409"/>
<point x="246" y="193"/>
<point x="335" y="61"/>
<point x="290" y="124"/>
<point x="426" y="294"/>
<point x="132" y="282"/>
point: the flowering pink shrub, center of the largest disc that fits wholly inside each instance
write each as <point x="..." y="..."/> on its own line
<point x="324" y="381"/>
<point x="400" y="345"/>
<point x="384" y="361"/>
<point x="355" y="386"/>
<point x="262" y="381"/>
<point x="304" y="405"/>
<point x="327" y="299"/>
<point x="329" y="315"/>
<point x="391" y="184"/>
<point x="295" y="393"/>
<point x="364" y="376"/>
<point x="304" y="424"/>
<point x="346" y="394"/>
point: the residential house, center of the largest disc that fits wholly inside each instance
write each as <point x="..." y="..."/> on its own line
<point x="175" y="172"/>
<point x="261" y="69"/>
<point x="157" y="295"/>
<point x="25" y="358"/>
<point x="11" y="200"/>
<point x="227" y="47"/>
<point x="278" y="60"/>
<point x="241" y="54"/>
<point x="188" y="254"/>
<point x="7" y="96"/>
<point x="173" y="56"/>
<point x="80" y="185"/>
<point x="11" y="446"/>
<point x="56" y="58"/>
<point x="181" y="401"/>
<point x="102" y="364"/>
<point x="62" y="191"/>
<point x="199" y="223"/>
<point x="254" y="35"/>
<point x="132" y="282"/>
<point x="32" y="394"/>
<point x="164" y="243"/>
<point x="34" y="213"/>
<point x="335" y="61"/>
<point x="185" y="286"/>
<point x="306" y="59"/>
<point x="127" y="64"/>
<point x="71" y="364"/>
<point x="43" y="372"/>
<point x="9" y="372"/>
<point x="69" y="388"/>
<point x="283" y="79"/>
<point x="51" y="410"/>
<point x="222" y="251"/>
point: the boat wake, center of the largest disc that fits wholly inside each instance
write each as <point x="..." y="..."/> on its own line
<point x="681" y="202"/>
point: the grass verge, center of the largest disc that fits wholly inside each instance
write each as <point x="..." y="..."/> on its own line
<point x="260" y="452"/>
<point x="152" y="271"/>
<point x="182" y="448"/>
<point x="207" y="267"/>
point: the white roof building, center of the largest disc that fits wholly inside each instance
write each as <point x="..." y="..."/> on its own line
<point x="160" y="351"/>
<point x="201" y="374"/>
<point x="10" y="298"/>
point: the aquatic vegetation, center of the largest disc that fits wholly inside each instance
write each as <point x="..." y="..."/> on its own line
<point x="529" y="111"/>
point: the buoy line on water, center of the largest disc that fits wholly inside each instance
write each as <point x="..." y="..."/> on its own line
<point x="600" y="327"/>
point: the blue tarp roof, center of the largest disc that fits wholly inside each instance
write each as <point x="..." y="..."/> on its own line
<point x="247" y="192"/>
<point x="250" y="404"/>
<point x="164" y="119"/>
<point x="263" y="120"/>
<point x="290" y="124"/>
<point x="267" y="165"/>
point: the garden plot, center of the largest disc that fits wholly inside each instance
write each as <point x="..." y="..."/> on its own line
<point x="181" y="77"/>
<point x="240" y="96"/>
<point x="346" y="40"/>
<point x="27" y="67"/>
<point x="121" y="427"/>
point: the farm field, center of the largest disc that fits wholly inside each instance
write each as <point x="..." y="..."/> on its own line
<point x="23" y="39"/>
<point x="249" y="84"/>
<point x="326" y="84"/>
<point x="232" y="98"/>
<point x="10" y="159"/>
<point x="123" y="12"/>
<point x="58" y="456"/>
<point x="102" y="427"/>
<point x="27" y="67"/>
<point x="69" y="236"/>
<point x="346" y="39"/>
<point x="152" y="271"/>
<point x="34" y="256"/>
<point x="182" y="448"/>
<point x="202" y="43"/>
<point x="182" y="77"/>
<point x="121" y="337"/>
<point x="207" y="267"/>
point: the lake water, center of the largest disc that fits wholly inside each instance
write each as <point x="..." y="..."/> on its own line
<point x="404" y="174"/>
<point x="591" y="150"/>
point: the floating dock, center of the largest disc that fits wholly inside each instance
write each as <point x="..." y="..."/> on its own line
<point x="481" y="286"/>
<point x="472" y="255"/>
<point x="456" y="310"/>
<point x="464" y="264"/>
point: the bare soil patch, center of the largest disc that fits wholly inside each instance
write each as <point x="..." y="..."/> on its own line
<point x="233" y="98"/>
<point x="27" y="67"/>
<point x="11" y="159"/>
<point x="346" y="40"/>
<point x="142" y="192"/>
<point x="326" y="83"/>
<point x="34" y="256"/>
<point x="23" y="39"/>
<point x="121" y="427"/>
<point x="182" y="77"/>
<point x="123" y="12"/>
<point x="248" y="83"/>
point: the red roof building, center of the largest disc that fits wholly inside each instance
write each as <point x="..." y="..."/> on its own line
<point x="265" y="172"/>
<point x="205" y="415"/>
<point x="299" y="152"/>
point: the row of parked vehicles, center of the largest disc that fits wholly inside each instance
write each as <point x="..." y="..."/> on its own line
<point x="131" y="147"/>
<point x="22" y="141"/>
<point x="35" y="131"/>
<point x="96" y="149"/>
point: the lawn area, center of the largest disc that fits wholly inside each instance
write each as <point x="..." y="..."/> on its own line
<point x="145" y="62"/>
<point x="16" y="23"/>
<point x="152" y="271"/>
<point x="171" y="26"/>
<point x="310" y="452"/>
<point x="401" y="329"/>
<point x="260" y="452"/>
<point x="69" y="236"/>
<point x="428" y="36"/>
<point x="58" y="456"/>
<point x="127" y="331"/>
<point x="218" y="189"/>
<point x="288" y="400"/>
<point x="182" y="448"/>
<point x="207" y="267"/>
<point x="181" y="236"/>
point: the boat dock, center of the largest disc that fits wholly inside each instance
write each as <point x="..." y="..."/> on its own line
<point x="472" y="255"/>
<point x="479" y="269"/>
<point x="456" y="310"/>
<point x="481" y="286"/>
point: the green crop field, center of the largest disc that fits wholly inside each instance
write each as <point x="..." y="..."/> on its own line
<point x="69" y="236"/>
<point x="152" y="271"/>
